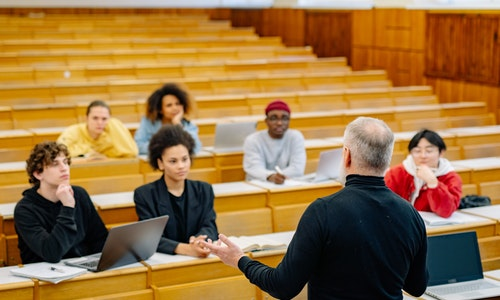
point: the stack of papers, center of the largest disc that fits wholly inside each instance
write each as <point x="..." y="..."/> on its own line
<point x="48" y="272"/>
<point x="432" y="219"/>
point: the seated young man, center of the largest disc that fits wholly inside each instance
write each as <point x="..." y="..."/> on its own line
<point x="55" y="220"/>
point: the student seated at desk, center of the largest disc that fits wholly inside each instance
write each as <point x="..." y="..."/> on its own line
<point x="54" y="219"/>
<point x="426" y="178"/>
<point x="189" y="203"/>
<point x="362" y="242"/>
<point x="276" y="153"/>
<point x="169" y="104"/>
<point x="100" y="136"/>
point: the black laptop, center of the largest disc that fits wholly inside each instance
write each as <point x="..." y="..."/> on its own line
<point x="126" y="244"/>
<point x="455" y="269"/>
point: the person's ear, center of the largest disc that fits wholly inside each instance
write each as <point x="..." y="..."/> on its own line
<point x="160" y="164"/>
<point x="347" y="157"/>
<point x="37" y="175"/>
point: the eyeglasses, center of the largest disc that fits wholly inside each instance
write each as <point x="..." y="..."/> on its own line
<point x="426" y="151"/>
<point x="275" y="119"/>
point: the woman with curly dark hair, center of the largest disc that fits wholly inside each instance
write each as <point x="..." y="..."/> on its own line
<point x="189" y="203"/>
<point x="169" y="104"/>
<point x="55" y="219"/>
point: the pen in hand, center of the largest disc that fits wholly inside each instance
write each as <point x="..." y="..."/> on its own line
<point x="278" y="170"/>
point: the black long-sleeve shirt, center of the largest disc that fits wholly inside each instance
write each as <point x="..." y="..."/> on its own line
<point x="49" y="231"/>
<point x="363" y="242"/>
<point x="194" y="216"/>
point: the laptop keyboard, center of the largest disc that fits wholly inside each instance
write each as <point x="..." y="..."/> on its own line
<point x="468" y="287"/>
<point x="91" y="263"/>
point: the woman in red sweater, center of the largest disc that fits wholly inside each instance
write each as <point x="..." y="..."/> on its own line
<point x="425" y="178"/>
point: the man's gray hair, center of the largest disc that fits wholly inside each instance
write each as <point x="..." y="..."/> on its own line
<point x="371" y="143"/>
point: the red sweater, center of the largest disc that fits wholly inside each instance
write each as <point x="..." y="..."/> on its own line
<point x="442" y="200"/>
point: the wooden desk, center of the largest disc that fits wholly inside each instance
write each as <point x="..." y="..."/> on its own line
<point x="15" y="144"/>
<point x="303" y="193"/>
<point x="239" y="195"/>
<point x="11" y="250"/>
<point x="484" y="227"/>
<point x="289" y="202"/>
<point x="183" y="277"/>
<point x="13" y="173"/>
<point x="15" y="287"/>
<point x="491" y="212"/>
<point x="482" y="169"/>
<point x="41" y="134"/>
<point x="117" y="281"/>
<point x="115" y="208"/>
<point x="83" y="168"/>
<point x="475" y="134"/>
<point x="241" y="209"/>
<point x="229" y="166"/>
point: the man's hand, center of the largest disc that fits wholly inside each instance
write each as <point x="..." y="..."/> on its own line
<point x="65" y="194"/>
<point x="230" y="253"/>
<point x="277" y="178"/>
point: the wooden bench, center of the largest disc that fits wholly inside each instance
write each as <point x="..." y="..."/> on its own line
<point x="140" y="89"/>
<point x="125" y="66"/>
<point x="149" y="43"/>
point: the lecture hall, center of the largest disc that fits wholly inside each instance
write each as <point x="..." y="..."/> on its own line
<point x="414" y="64"/>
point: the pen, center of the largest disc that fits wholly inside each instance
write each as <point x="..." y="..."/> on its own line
<point x="56" y="269"/>
<point x="278" y="169"/>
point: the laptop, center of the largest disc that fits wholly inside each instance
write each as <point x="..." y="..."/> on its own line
<point x="125" y="244"/>
<point x="328" y="167"/>
<point x="455" y="270"/>
<point x="229" y="137"/>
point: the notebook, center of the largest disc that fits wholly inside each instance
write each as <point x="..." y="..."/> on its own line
<point x="229" y="137"/>
<point x="124" y="245"/>
<point x="328" y="167"/>
<point x="455" y="270"/>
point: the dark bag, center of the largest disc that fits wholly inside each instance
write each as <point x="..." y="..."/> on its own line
<point x="474" y="201"/>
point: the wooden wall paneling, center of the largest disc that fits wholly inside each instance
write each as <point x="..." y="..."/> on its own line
<point x="287" y="23"/>
<point x="362" y="32"/>
<point x="482" y="59"/>
<point x="398" y="46"/>
<point x="329" y="33"/>
<point x="392" y="28"/>
<point x="246" y="18"/>
<point x="445" y="46"/>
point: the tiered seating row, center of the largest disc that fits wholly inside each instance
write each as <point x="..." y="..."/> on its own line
<point x="149" y="32"/>
<point x="141" y="89"/>
<point x="149" y="56"/>
<point x="98" y="22"/>
<point x="24" y="116"/>
<point x="132" y="70"/>
<point x="227" y="167"/>
<point x="136" y="43"/>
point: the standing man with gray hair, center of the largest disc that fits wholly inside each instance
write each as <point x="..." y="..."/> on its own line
<point x="363" y="242"/>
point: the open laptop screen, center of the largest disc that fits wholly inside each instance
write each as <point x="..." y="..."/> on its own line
<point x="230" y="137"/>
<point x="453" y="258"/>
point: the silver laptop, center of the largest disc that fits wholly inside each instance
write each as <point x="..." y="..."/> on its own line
<point x="328" y="167"/>
<point x="229" y="137"/>
<point x="124" y="245"/>
<point x="455" y="270"/>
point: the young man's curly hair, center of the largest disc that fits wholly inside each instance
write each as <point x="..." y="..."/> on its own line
<point x="42" y="155"/>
